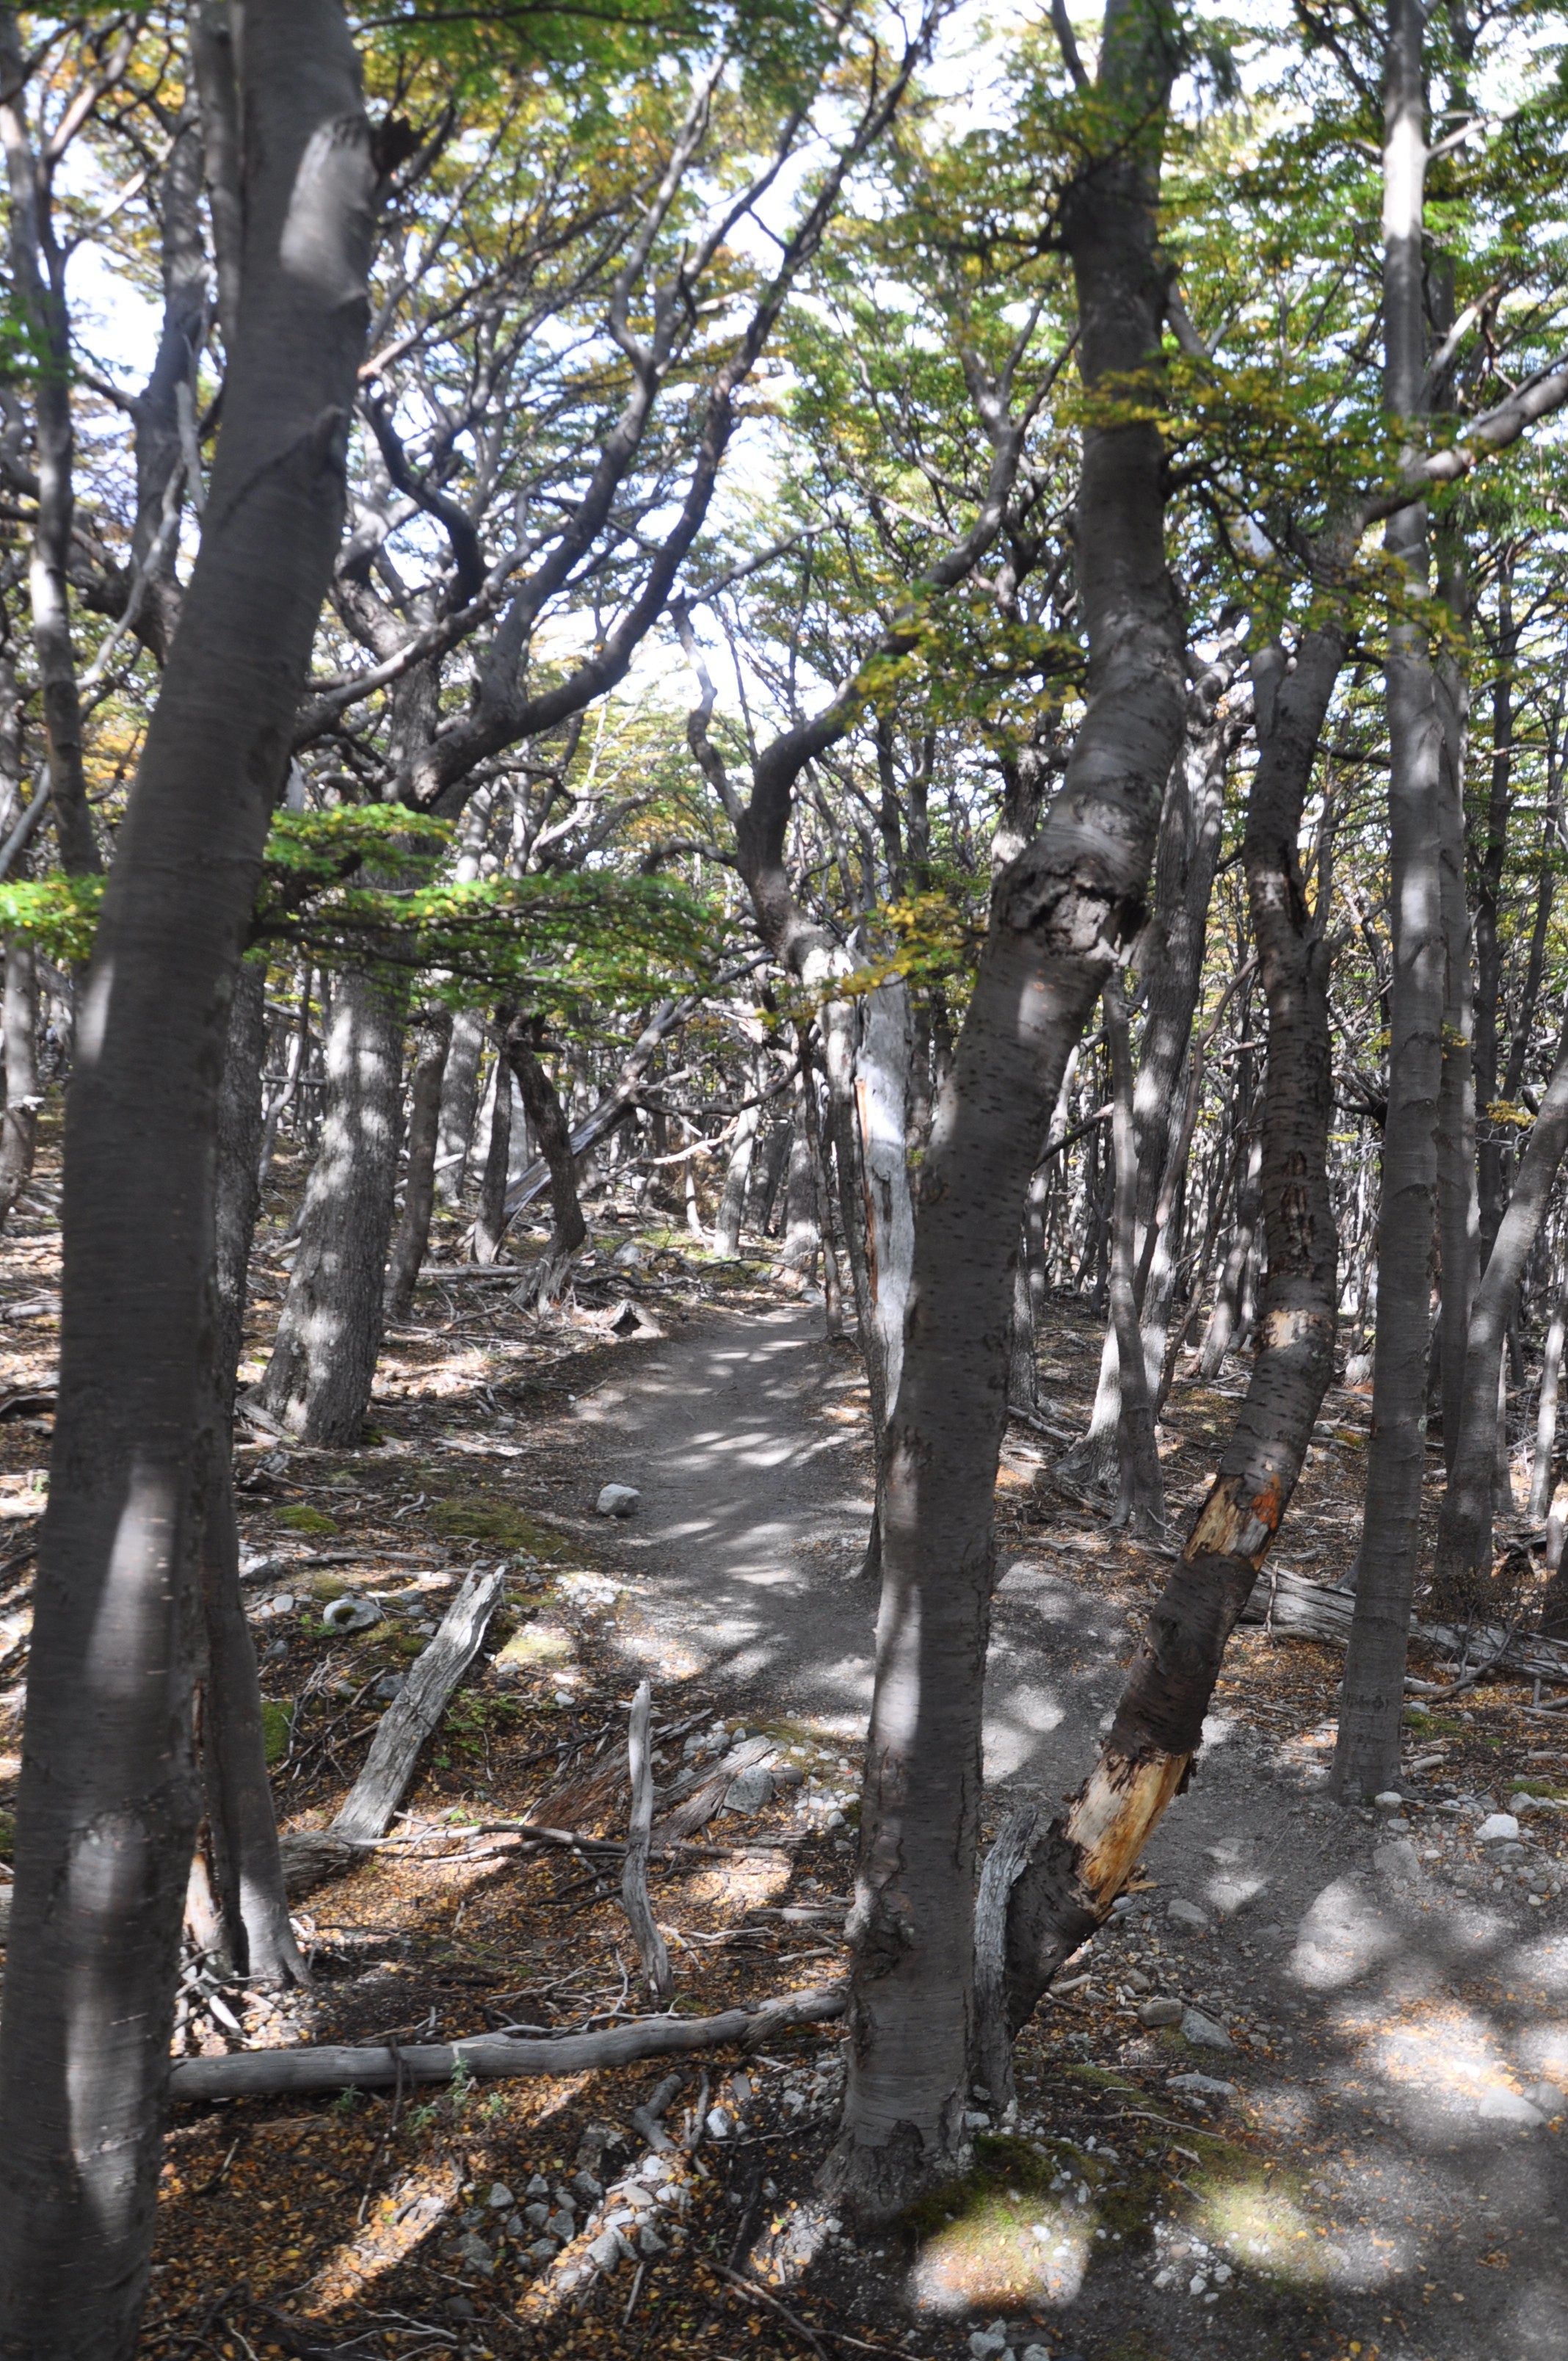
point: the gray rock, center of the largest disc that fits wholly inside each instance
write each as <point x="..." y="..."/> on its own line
<point x="1508" y="2107"/>
<point x="350" y="1615"/>
<point x="627" y="1257"/>
<point x="1201" y="2086"/>
<point x="1398" y="1860"/>
<point x="385" y="1690"/>
<point x="475" y="2255"/>
<point x="1160" y="2012"/>
<point x="536" y="2215"/>
<point x="608" y="2250"/>
<point x="986" y="2344"/>
<point x="618" y="1500"/>
<point x="1498" y="1828"/>
<point x="586" y="2186"/>
<point x="718" y="2124"/>
<point x="1187" y="1914"/>
<point x="650" y="2243"/>
<point x="1389" y="1801"/>
<point x="562" y="2225"/>
<point x="500" y="2197"/>
<point x="1203" y="2032"/>
<point x="1548" y="2097"/>
<point x="537" y="2187"/>
<point x="544" y="2250"/>
<point x="751" y="1792"/>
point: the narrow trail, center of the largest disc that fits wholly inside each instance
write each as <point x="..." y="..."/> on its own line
<point x="1393" y="2011"/>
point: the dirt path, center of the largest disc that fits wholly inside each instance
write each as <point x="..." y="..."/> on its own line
<point x="1384" y="2004"/>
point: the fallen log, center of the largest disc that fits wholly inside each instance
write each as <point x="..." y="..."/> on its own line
<point x="1290" y="1604"/>
<point x="311" y="1855"/>
<point x="256" y="2073"/>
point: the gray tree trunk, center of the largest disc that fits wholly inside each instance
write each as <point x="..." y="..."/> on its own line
<point x="419" y="1179"/>
<point x="1462" y="1575"/>
<point x="1141" y="1499"/>
<point x="491" y="1220"/>
<point x="1059" y="914"/>
<point x="459" y="1105"/>
<point x="802" y="1237"/>
<point x="19" y="1024"/>
<point x="737" y="1180"/>
<point x="108" y="1798"/>
<point x="319" y="1378"/>
<point x="1366" y="1757"/>
<point x="1546" y="1407"/>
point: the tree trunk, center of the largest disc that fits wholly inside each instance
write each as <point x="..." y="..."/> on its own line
<point x="107" y="1803"/>
<point x="1059" y="914"/>
<point x="459" y="1105"/>
<point x="490" y="1222"/>
<point x="1464" y="1570"/>
<point x="1546" y="1407"/>
<point x="1141" y="1500"/>
<point x="801" y="1238"/>
<point x="1224" y="1323"/>
<point x="737" y="1179"/>
<point x="419" y="1179"/>
<point x="1458" y="1215"/>
<point x="1366" y="1758"/>
<point x="521" y="1046"/>
<point x="1081" y="1862"/>
<point x="1488" y="897"/>
<point x="19" y="1023"/>
<point x="319" y="1379"/>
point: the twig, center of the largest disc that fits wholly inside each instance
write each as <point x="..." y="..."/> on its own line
<point x="651" y="1949"/>
<point x="790" y="2319"/>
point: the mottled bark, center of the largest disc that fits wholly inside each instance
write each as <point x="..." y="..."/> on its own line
<point x="1059" y="914"/>
<point x="547" y="1118"/>
<point x="1546" y="1405"/>
<point x="108" y="1797"/>
<point x="1081" y="1862"/>
<point x="459" y="1105"/>
<point x="1463" y="1573"/>
<point x="490" y="1220"/>
<point x="19" y="1024"/>
<point x="737" y="1180"/>
<point x="1366" y="1758"/>
<point x="418" y="1177"/>
<point x="319" y="1378"/>
<point x="1141" y="1498"/>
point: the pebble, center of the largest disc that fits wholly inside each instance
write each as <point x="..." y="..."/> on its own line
<point x="1202" y="2086"/>
<point x="1203" y="2030"/>
<point x="500" y="2197"/>
<point x="608" y="2250"/>
<point x="1498" y="1828"/>
<point x="1397" y="1859"/>
<point x="350" y="1615"/>
<point x="1390" y="1800"/>
<point x="986" y="2344"/>
<point x="1160" y="2012"/>
<point x="1187" y="1914"/>
<point x="618" y="1500"/>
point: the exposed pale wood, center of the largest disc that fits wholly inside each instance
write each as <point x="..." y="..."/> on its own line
<point x="410" y="1719"/>
<point x="651" y="1949"/>
<point x="254" y="2072"/>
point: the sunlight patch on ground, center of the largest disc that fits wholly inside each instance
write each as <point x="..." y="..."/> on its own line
<point x="399" y="2222"/>
<point x="1005" y="2249"/>
<point x="1260" y="2225"/>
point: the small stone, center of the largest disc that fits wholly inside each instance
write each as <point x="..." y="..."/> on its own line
<point x="1390" y="1800"/>
<point x="1397" y="1859"/>
<point x="608" y="2250"/>
<point x="457" y="2307"/>
<point x="1196" y="2284"/>
<point x="1160" y="2012"/>
<point x="1137" y="1982"/>
<point x="1508" y="2107"/>
<point x="1547" y="2097"/>
<point x="718" y="2124"/>
<point x="473" y="2253"/>
<point x="1498" y="1828"/>
<point x="618" y="1500"/>
<point x="562" y="2225"/>
<point x="751" y="1792"/>
<point x="537" y="2187"/>
<point x="391" y="1686"/>
<point x="1203" y="2031"/>
<point x="1187" y="1914"/>
<point x="650" y="2243"/>
<point x="350" y="1615"/>
<point x="986" y="2344"/>
<point x="500" y="2196"/>
<point x="586" y="2186"/>
<point x="544" y="2250"/>
<point x="1522" y="1801"/>
<point x="1036" y="2353"/>
<point x="1202" y="2086"/>
<point x="536" y="2215"/>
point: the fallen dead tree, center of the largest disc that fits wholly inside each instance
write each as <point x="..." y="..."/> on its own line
<point x="310" y="1855"/>
<point x="1308" y="1610"/>
<point x="258" y="2073"/>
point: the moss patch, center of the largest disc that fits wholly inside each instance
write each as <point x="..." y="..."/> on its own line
<point x="537" y="1644"/>
<point x="480" y="1517"/>
<point x="300" y="1518"/>
<point x="276" y="1721"/>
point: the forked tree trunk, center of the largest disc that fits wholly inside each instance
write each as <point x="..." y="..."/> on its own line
<point x="1463" y="1573"/>
<point x="1366" y="1757"/>
<point x="20" y="1022"/>
<point x="1079" y="1864"/>
<point x="108" y="1797"/>
<point x="419" y="1179"/>
<point x="1059" y="914"/>
<point x="319" y="1379"/>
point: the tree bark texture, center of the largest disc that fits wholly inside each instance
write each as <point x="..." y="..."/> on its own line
<point x="1366" y="1756"/>
<point x="108" y="1798"/>
<point x="1141" y="1499"/>
<point x="459" y="1105"/>
<point x="547" y="1118"/>
<point x="19" y="1025"/>
<point x="419" y="1179"/>
<point x="1081" y="1862"/>
<point x="1059" y="914"/>
<point x="319" y="1378"/>
<point x="491" y="1220"/>
<point x="1462" y="1575"/>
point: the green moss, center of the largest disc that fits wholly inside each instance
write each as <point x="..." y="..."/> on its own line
<point x="276" y="1721"/>
<point x="300" y="1518"/>
<point x="1548" y="1787"/>
<point x="480" y="1517"/>
<point x="537" y="1644"/>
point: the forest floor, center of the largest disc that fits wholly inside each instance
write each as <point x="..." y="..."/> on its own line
<point x="1351" y="2144"/>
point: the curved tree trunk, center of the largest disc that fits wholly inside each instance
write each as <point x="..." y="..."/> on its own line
<point x="1464" y="1569"/>
<point x="323" y="1362"/>
<point x="1081" y="1862"/>
<point x="1059" y="914"/>
<point x="108" y="1798"/>
<point x="419" y="1179"/>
